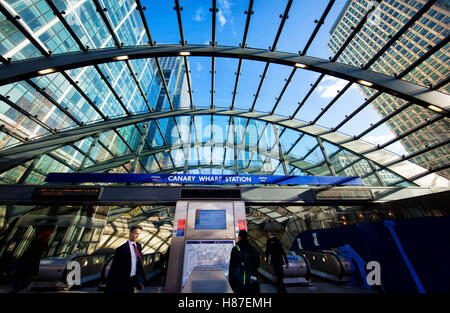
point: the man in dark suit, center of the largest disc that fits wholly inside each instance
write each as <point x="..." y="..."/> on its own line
<point x="126" y="271"/>
<point x="275" y="251"/>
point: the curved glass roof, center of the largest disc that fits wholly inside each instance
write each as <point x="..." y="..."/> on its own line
<point x="225" y="87"/>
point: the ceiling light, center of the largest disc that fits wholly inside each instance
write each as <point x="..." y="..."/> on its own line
<point x="47" y="71"/>
<point x="300" y="65"/>
<point x="121" y="58"/>
<point x="185" y="53"/>
<point x="435" y="108"/>
<point x="365" y="83"/>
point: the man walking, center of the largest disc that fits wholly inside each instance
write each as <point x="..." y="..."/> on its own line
<point x="275" y="251"/>
<point x="126" y="271"/>
<point x="244" y="263"/>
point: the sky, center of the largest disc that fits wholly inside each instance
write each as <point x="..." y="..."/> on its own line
<point x="230" y="23"/>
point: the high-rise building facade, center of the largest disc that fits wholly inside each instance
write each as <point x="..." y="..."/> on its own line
<point x="430" y="29"/>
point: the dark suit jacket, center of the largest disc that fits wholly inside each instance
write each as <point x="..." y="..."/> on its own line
<point x="119" y="273"/>
<point x="276" y="251"/>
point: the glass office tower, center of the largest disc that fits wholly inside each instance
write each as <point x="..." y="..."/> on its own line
<point x="427" y="31"/>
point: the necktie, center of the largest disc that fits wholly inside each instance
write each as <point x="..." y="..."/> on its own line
<point x="137" y="252"/>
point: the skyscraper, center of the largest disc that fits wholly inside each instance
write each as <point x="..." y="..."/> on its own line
<point x="429" y="30"/>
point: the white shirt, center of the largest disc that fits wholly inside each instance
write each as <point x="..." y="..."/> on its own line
<point x="133" y="258"/>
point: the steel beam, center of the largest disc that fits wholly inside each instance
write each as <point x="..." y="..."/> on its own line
<point x="243" y="44"/>
<point x="412" y="66"/>
<point x="316" y="29"/>
<point x="334" y="58"/>
<point x="16" y="155"/>
<point x="88" y="153"/>
<point x="325" y="155"/>
<point x="251" y="195"/>
<point x="280" y="149"/>
<point x="408" y="91"/>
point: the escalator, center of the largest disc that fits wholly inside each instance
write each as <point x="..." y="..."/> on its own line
<point x="298" y="272"/>
<point x="55" y="272"/>
<point x="329" y="265"/>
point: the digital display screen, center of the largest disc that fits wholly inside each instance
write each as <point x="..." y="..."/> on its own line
<point x="66" y="193"/>
<point x="210" y="219"/>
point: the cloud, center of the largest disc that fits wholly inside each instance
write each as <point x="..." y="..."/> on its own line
<point x="225" y="6"/>
<point x="233" y="30"/>
<point x="198" y="67"/>
<point x="378" y="139"/>
<point x="224" y="15"/>
<point x="395" y="147"/>
<point x="199" y="15"/>
<point x="330" y="85"/>
<point x="222" y="19"/>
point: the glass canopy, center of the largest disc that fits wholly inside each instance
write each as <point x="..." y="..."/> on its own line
<point x="226" y="113"/>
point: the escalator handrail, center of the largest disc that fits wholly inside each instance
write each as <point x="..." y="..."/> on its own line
<point x="308" y="266"/>
<point x="338" y="256"/>
<point x="333" y="253"/>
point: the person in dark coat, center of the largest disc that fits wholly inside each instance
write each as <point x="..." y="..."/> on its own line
<point x="28" y="265"/>
<point x="275" y="251"/>
<point x="244" y="251"/>
<point x="127" y="271"/>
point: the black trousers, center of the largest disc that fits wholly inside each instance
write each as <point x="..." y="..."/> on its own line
<point x="132" y="282"/>
<point x="20" y="284"/>
<point x="278" y="269"/>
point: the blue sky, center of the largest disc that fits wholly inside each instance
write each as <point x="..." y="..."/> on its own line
<point x="230" y="22"/>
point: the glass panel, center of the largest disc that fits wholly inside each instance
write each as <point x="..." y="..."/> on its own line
<point x="248" y="84"/>
<point x="315" y="157"/>
<point x="303" y="146"/>
<point x="12" y="176"/>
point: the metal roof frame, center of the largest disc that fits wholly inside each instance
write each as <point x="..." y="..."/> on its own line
<point x="405" y="90"/>
<point x="414" y="94"/>
<point x="17" y="155"/>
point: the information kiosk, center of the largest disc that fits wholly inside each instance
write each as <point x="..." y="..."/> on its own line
<point x="204" y="233"/>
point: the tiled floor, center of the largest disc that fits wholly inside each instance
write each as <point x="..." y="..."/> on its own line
<point x="318" y="286"/>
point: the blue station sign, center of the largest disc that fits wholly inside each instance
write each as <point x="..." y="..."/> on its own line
<point x="202" y="179"/>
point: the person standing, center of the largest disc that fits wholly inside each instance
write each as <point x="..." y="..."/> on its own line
<point x="127" y="271"/>
<point x="243" y="268"/>
<point x="275" y="251"/>
<point x="28" y="264"/>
